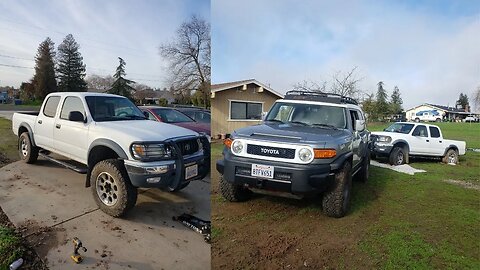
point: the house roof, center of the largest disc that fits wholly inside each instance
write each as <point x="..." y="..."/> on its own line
<point x="225" y="86"/>
<point x="443" y="108"/>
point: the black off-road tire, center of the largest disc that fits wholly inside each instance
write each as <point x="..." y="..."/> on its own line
<point x="336" y="200"/>
<point x="362" y="175"/>
<point x="417" y="120"/>
<point x="398" y="156"/>
<point x="127" y="193"/>
<point x="234" y="193"/>
<point x="28" y="153"/>
<point x="451" y="154"/>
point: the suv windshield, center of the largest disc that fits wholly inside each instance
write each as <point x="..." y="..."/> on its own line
<point x="172" y="116"/>
<point x="104" y="108"/>
<point x="400" y="128"/>
<point x="307" y="114"/>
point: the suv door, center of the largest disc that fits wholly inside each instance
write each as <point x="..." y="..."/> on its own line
<point x="43" y="131"/>
<point x="419" y="140"/>
<point x="357" y="138"/>
<point x="71" y="137"/>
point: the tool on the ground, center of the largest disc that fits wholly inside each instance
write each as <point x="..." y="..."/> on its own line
<point x="77" y="245"/>
<point x="199" y="225"/>
<point x="16" y="264"/>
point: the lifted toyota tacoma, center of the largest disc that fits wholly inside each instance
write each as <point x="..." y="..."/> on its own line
<point x="110" y="140"/>
<point x="308" y="144"/>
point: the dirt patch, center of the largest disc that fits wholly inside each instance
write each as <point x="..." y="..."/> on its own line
<point x="4" y="160"/>
<point x="31" y="259"/>
<point x="463" y="184"/>
<point x="42" y="238"/>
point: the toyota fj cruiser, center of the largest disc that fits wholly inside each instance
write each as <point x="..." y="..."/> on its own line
<point x="309" y="143"/>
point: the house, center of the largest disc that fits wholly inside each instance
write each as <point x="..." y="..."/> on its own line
<point x="446" y="112"/>
<point x="3" y="97"/>
<point x="239" y="104"/>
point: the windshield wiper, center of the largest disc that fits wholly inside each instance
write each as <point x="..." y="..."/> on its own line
<point x="325" y="125"/>
<point x="298" y="122"/>
<point x="131" y="116"/>
<point x="274" y="120"/>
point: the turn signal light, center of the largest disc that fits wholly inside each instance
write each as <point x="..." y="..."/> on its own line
<point x="228" y="142"/>
<point x="324" y="153"/>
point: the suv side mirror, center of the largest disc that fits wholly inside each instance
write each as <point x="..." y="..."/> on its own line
<point x="76" y="116"/>
<point x="359" y="125"/>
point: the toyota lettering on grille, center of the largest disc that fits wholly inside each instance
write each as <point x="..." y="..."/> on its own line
<point x="270" y="151"/>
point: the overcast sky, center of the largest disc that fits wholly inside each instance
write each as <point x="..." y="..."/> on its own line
<point x="105" y="30"/>
<point x="429" y="49"/>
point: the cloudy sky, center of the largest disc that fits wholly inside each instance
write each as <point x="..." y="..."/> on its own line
<point x="429" y="49"/>
<point x="105" y="30"/>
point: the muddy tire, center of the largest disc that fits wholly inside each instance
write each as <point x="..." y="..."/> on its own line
<point x="397" y="156"/>
<point x="28" y="153"/>
<point x="450" y="157"/>
<point x="336" y="200"/>
<point x="362" y="175"/>
<point x="111" y="188"/>
<point x="233" y="193"/>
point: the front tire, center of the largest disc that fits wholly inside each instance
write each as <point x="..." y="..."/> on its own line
<point x="111" y="188"/>
<point x="451" y="157"/>
<point x="232" y="192"/>
<point x="336" y="201"/>
<point x="28" y="153"/>
<point x="397" y="156"/>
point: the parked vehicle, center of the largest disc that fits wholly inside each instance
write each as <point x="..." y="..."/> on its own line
<point x="309" y="143"/>
<point x="114" y="145"/>
<point x="427" y="116"/>
<point x="402" y="140"/>
<point x="175" y="117"/>
<point x="471" y="118"/>
<point x="199" y="115"/>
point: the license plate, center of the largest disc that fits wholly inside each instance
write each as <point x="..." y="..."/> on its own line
<point x="191" y="171"/>
<point x="263" y="171"/>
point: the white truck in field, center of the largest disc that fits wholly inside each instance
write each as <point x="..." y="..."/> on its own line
<point x="110" y="140"/>
<point x="402" y="140"/>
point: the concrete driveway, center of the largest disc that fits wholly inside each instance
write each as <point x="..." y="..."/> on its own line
<point x="7" y="114"/>
<point x="50" y="205"/>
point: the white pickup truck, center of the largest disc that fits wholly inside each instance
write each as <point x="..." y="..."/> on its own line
<point x="110" y="140"/>
<point x="401" y="140"/>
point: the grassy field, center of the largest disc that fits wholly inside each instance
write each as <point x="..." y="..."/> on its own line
<point x="8" y="141"/>
<point x="397" y="221"/>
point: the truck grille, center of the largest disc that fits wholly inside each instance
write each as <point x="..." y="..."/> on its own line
<point x="269" y="151"/>
<point x="188" y="147"/>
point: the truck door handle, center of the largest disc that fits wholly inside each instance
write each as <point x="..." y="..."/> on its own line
<point x="58" y="126"/>
<point x="40" y="121"/>
<point x="440" y="141"/>
<point x="428" y="140"/>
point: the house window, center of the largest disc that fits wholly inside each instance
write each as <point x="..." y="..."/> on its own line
<point x="240" y="110"/>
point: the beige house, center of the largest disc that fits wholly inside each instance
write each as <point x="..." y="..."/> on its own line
<point x="239" y="104"/>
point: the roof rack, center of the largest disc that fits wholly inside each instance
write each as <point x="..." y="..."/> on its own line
<point x="319" y="96"/>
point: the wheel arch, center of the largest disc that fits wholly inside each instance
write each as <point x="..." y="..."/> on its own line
<point x="102" y="149"/>
<point x="25" y="127"/>
<point x="451" y="146"/>
<point x="405" y="146"/>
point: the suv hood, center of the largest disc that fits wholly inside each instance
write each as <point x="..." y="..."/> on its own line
<point x="291" y="133"/>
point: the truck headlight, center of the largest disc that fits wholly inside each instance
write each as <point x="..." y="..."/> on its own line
<point x="305" y="154"/>
<point x="384" y="139"/>
<point x="237" y="147"/>
<point x="150" y="151"/>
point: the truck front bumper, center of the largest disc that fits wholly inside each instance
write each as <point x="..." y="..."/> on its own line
<point x="298" y="179"/>
<point x="381" y="149"/>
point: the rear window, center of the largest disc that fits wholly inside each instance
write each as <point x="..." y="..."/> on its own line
<point x="51" y="105"/>
<point x="434" y="132"/>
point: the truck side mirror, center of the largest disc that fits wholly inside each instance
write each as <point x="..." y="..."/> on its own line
<point x="264" y="115"/>
<point x="359" y="125"/>
<point x="76" y="116"/>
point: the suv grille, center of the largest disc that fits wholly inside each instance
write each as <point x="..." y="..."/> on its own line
<point x="188" y="147"/>
<point x="269" y="151"/>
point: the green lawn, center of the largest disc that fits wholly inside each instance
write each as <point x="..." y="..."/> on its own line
<point x="11" y="247"/>
<point x="8" y="141"/>
<point x="397" y="221"/>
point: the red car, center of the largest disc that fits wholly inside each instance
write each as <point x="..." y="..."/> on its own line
<point x="175" y="117"/>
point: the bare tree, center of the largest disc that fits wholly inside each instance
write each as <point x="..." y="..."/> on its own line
<point x="345" y="84"/>
<point x="98" y="82"/>
<point x="189" y="57"/>
<point x="476" y="98"/>
<point x="310" y="86"/>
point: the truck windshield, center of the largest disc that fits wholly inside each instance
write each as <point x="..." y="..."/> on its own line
<point x="104" y="108"/>
<point x="400" y="128"/>
<point x="307" y="114"/>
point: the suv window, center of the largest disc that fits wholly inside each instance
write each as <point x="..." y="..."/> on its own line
<point x="71" y="104"/>
<point x="420" y="131"/>
<point x="434" y="132"/>
<point x="354" y="116"/>
<point x="51" y="105"/>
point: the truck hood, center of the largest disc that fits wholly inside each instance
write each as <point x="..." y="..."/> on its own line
<point x="291" y="132"/>
<point x="143" y="130"/>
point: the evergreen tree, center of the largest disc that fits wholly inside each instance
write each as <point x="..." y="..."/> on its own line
<point x="381" y="102"/>
<point x="71" y="69"/>
<point x="463" y="101"/>
<point x="396" y="101"/>
<point x="44" y="78"/>
<point x="121" y="86"/>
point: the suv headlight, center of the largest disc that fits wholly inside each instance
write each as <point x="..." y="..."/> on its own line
<point x="150" y="151"/>
<point x="237" y="147"/>
<point x="384" y="139"/>
<point x="305" y="154"/>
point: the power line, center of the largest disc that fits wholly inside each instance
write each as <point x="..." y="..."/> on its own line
<point x="14" y="57"/>
<point x="14" y="66"/>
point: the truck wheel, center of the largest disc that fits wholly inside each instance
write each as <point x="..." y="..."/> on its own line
<point x="397" y="156"/>
<point x="362" y="175"/>
<point x="180" y="187"/>
<point x="438" y="120"/>
<point x="28" y="152"/>
<point x="451" y="157"/>
<point x="336" y="201"/>
<point x="233" y="193"/>
<point x="111" y="188"/>
<point x="417" y="119"/>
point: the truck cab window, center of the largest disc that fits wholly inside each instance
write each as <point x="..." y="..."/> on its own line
<point x="51" y="106"/>
<point x="420" y="131"/>
<point x="71" y="104"/>
<point x="434" y="132"/>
